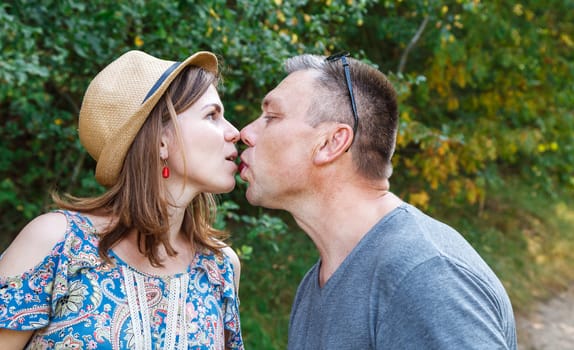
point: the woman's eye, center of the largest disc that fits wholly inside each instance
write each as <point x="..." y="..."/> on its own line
<point x="211" y="116"/>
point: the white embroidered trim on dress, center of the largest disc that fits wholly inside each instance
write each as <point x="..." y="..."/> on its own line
<point x="176" y="319"/>
<point x="172" y="308"/>
<point x="144" y="309"/>
<point x="133" y="305"/>
<point x="183" y="313"/>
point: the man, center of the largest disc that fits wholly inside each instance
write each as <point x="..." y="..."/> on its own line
<point x="388" y="277"/>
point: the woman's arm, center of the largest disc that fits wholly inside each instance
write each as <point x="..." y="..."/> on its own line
<point x="13" y="340"/>
<point x="31" y="245"/>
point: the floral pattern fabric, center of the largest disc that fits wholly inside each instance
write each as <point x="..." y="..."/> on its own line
<point x="76" y="301"/>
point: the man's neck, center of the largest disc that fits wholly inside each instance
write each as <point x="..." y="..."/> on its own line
<point x="337" y="224"/>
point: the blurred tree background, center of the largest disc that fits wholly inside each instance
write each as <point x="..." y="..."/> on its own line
<point x="486" y="138"/>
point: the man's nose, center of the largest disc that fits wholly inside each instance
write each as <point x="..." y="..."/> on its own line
<point x="247" y="135"/>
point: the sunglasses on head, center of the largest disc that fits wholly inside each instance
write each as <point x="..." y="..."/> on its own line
<point x="343" y="57"/>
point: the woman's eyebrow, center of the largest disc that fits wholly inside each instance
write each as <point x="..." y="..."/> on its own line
<point x="217" y="107"/>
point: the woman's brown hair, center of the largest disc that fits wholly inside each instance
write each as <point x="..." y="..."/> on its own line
<point x="138" y="198"/>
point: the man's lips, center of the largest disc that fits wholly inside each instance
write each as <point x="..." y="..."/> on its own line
<point x="242" y="166"/>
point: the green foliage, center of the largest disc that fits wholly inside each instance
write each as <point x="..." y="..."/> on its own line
<point x="493" y="101"/>
<point x="51" y="49"/>
<point x="485" y="91"/>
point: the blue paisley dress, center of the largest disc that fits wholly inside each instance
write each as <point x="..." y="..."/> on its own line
<point x="75" y="301"/>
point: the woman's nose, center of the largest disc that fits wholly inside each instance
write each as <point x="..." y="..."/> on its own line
<point x="232" y="134"/>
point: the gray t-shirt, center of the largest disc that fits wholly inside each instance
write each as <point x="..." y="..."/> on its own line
<point x="411" y="283"/>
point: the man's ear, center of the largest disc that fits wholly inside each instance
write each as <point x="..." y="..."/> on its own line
<point x="337" y="140"/>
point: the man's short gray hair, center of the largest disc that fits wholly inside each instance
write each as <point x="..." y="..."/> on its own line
<point x="376" y="102"/>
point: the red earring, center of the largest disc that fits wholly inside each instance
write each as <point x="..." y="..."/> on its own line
<point x="165" y="170"/>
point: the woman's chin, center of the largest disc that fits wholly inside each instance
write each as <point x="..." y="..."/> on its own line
<point x="225" y="188"/>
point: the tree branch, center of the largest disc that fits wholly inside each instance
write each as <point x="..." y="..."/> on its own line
<point x="413" y="42"/>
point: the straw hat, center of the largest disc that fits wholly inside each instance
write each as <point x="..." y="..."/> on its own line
<point x="118" y="101"/>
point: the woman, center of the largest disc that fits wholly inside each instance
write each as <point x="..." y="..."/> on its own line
<point x="138" y="267"/>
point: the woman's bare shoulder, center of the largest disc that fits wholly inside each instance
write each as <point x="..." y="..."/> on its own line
<point x="33" y="243"/>
<point x="12" y="339"/>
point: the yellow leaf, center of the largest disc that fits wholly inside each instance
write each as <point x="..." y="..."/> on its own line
<point x="461" y="77"/>
<point x="405" y="115"/>
<point x="213" y="14"/>
<point x="565" y="38"/>
<point x="138" y="41"/>
<point x="540" y="259"/>
<point x="442" y="149"/>
<point x="294" y="38"/>
<point x="419" y="199"/>
<point x="400" y="139"/>
<point x="454" y="187"/>
<point x="472" y="192"/>
<point x="512" y="148"/>
<point x="280" y="16"/>
<point x="452" y="103"/>
<point x="541" y="148"/>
